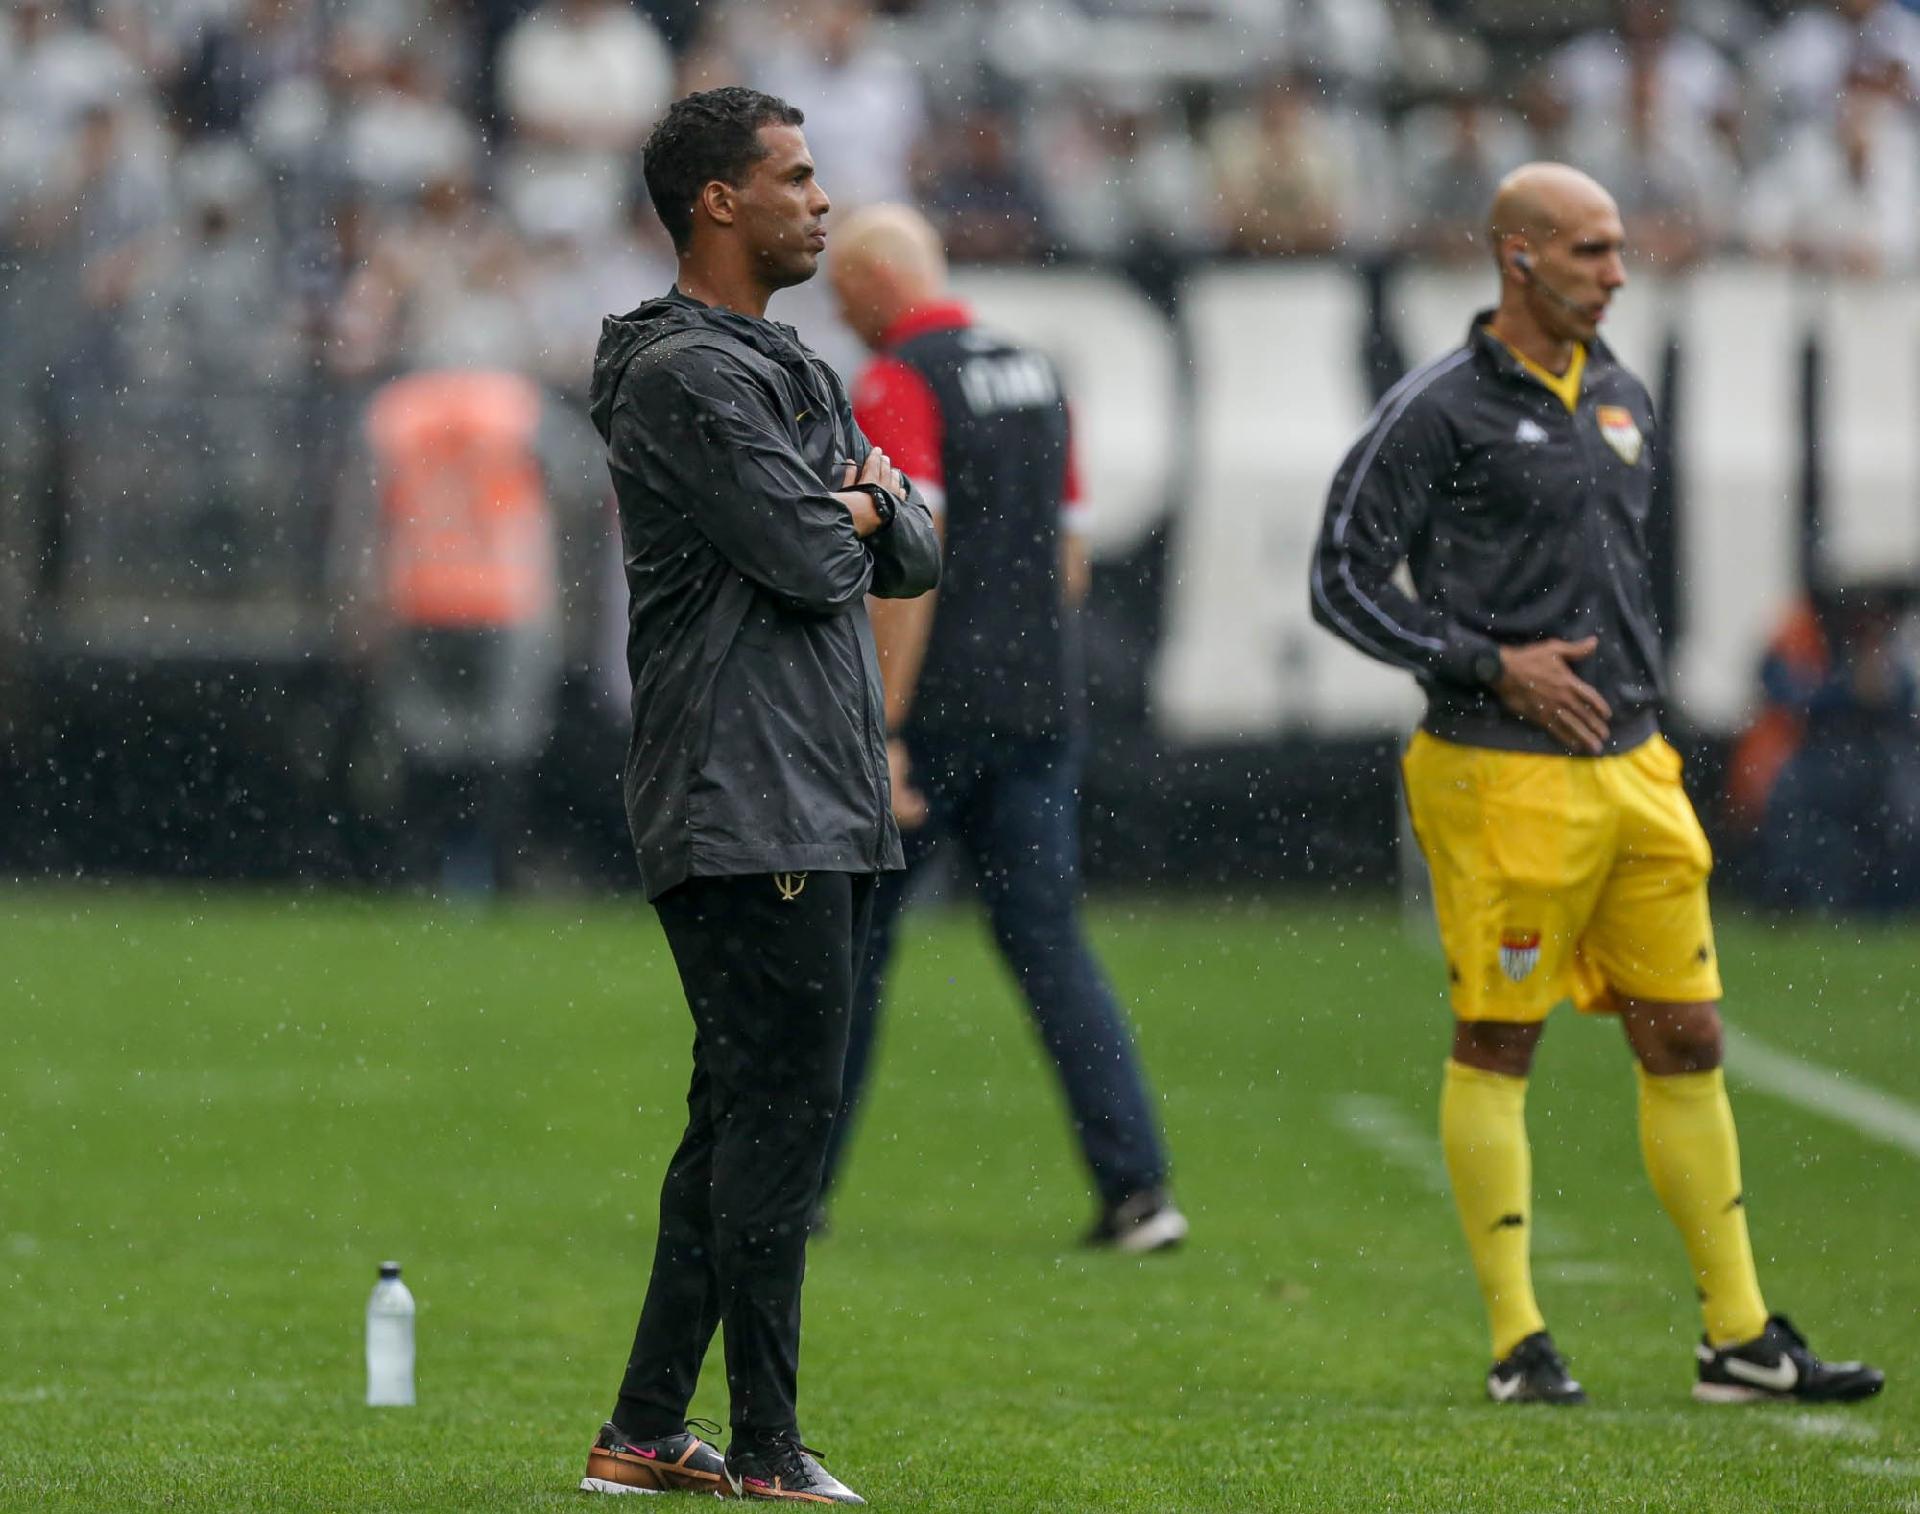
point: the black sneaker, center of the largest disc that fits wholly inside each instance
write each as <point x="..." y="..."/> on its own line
<point x="782" y="1469"/>
<point x="1533" y="1372"/>
<point x="1777" y="1364"/>
<point x="1141" y="1222"/>
<point x="682" y="1463"/>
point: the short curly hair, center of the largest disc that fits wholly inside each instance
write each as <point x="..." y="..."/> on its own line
<point x="708" y="135"/>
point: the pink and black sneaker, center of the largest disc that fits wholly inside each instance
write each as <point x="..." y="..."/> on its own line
<point x="682" y="1463"/>
<point x="783" y="1470"/>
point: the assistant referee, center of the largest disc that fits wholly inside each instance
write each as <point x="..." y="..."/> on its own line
<point x="1513" y="477"/>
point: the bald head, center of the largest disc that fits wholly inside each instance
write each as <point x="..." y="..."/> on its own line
<point x="886" y="260"/>
<point x="1539" y="200"/>
<point x="1557" y="240"/>
<point x="894" y="236"/>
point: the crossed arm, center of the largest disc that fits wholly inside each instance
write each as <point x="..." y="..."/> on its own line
<point x="712" y="445"/>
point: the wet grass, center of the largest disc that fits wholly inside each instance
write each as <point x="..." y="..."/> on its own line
<point x="219" y="1112"/>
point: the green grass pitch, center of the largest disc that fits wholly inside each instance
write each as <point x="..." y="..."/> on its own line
<point x="219" y="1112"/>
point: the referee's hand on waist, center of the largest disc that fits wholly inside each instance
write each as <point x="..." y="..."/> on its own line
<point x="1537" y="683"/>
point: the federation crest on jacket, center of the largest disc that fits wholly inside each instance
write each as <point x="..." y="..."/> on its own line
<point x="1620" y="432"/>
<point x="1519" y="953"/>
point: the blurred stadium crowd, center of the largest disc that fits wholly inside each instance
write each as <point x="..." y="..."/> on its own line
<point x="225" y="223"/>
<point x="247" y="187"/>
<point x="255" y="196"/>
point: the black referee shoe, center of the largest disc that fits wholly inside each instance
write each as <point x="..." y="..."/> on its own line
<point x="681" y="1463"/>
<point x="1778" y="1364"/>
<point x="1533" y="1372"/>
<point x="781" y="1470"/>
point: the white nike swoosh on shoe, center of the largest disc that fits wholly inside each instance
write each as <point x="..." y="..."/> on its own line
<point x="1503" y="1392"/>
<point x="601" y="1485"/>
<point x="1779" y="1378"/>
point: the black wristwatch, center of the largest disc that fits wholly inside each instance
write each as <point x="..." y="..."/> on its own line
<point x="1487" y="668"/>
<point x="886" y="504"/>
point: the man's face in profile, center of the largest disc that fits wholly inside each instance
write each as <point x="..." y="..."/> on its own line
<point x="782" y="208"/>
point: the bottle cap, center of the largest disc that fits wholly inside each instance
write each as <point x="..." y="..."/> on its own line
<point x="389" y="1269"/>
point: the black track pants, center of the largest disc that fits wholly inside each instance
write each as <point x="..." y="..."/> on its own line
<point x="768" y="963"/>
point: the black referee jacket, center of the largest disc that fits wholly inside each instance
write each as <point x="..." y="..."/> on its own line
<point x="1517" y="519"/>
<point x="759" y="735"/>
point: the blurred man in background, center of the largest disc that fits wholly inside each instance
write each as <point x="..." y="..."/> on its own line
<point x="581" y="81"/>
<point x="448" y="588"/>
<point x="1837" y="753"/>
<point x="1838" y="196"/>
<point x="755" y="519"/>
<point x="1798" y="73"/>
<point x="983" y="689"/>
<point x="1284" y="175"/>
<point x="1514" y="477"/>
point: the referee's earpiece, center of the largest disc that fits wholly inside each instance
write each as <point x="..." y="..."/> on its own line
<point x="1523" y="265"/>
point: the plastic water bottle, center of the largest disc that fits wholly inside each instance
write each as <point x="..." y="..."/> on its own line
<point x="390" y="1339"/>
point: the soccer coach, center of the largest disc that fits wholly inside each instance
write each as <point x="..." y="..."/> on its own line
<point x="1514" y="477"/>
<point x="754" y="519"/>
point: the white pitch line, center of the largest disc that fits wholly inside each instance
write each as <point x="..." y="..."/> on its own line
<point x="1576" y="1271"/>
<point x="1381" y="1124"/>
<point x="1879" y="1466"/>
<point x="1832" y="1426"/>
<point x="1879" y="1116"/>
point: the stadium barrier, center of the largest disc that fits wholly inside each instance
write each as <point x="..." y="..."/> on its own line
<point x="185" y="636"/>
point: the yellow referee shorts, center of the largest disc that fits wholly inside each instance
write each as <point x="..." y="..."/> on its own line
<point x="1563" y="877"/>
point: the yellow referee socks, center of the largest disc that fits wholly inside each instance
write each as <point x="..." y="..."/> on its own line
<point x="1483" y="1131"/>
<point x="1693" y="1157"/>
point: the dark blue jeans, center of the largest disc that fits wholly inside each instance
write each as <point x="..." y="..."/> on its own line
<point x="1842" y="829"/>
<point x="1013" y="807"/>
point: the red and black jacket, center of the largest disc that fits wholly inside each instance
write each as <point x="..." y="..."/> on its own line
<point x="980" y="424"/>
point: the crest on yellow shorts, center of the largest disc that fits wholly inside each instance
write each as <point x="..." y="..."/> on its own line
<point x="1519" y="953"/>
<point x="1620" y="432"/>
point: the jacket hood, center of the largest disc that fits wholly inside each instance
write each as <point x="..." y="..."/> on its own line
<point x="623" y="337"/>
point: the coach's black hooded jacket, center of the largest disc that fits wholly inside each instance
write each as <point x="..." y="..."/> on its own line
<point x="759" y="734"/>
<point x="1519" y="520"/>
